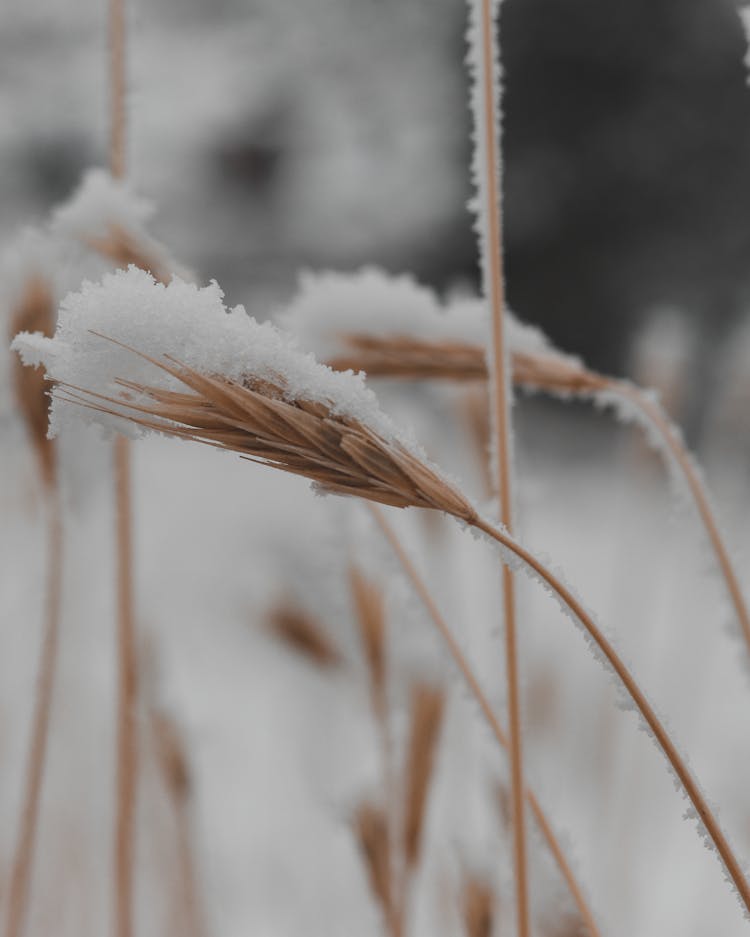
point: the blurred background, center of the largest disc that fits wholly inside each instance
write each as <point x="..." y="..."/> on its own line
<point x="275" y="136"/>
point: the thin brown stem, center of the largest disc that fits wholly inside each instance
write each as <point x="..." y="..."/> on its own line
<point x="681" y="770"/>
<point x="127" y="735"/>
<point x="494" y="275"/>
<point x="479" y="695"/>
<point x="655" y="416"/>
<point x="127" y="743"/>
<point x="23" y="858"/>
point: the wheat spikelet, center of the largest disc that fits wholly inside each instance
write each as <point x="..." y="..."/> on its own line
<point x="371" y="830"/>
<point x="34" y="311"/>
<point x="370" y="615"/>
<point x="427" y="706"/>
<point x="300" y="631"/>
<point x="477" y="908"/>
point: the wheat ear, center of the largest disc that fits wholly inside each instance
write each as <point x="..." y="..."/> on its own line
<point x="344" y="456"/>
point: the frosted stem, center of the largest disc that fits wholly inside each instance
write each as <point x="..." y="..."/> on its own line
<point x="655" y="416"/>
<point x="683" y="775"/>
<point x="491" y="245"/>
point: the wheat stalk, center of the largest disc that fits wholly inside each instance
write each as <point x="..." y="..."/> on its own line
<point x="25" y="846"/>
<point x="35" y="311"/>
<point x="485" y="48"/>
<point x="342" y="455"/>
<point x="127" y="680"/>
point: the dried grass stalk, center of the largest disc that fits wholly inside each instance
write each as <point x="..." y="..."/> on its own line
<point x="35" y="311"/>
<point x="22" y="864"/>
<point x="484" y="47"/>
<point x="300" y="631"/>
<point x="477" y="908"/>
<point x="370" y="613"/>
<point x="371" y="830"/>
<point x="427" y="707"/>
<point x="174" y="767"/>
<point x="127" y="682"/>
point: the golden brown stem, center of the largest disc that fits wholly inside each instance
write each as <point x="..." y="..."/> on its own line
<point x="23" y="858"/>
<point x="126" y="651"/>
<point x="479" y="695"/>
<point x="656" y="417"/>
<point x="502" y="442"/>
<point x="175" y="772"/>
<point x="681" y="770"/>
<point x="127" y="735"/>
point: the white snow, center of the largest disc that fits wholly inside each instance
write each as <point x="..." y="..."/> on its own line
<point x="102" y="204"/>
<point x="370" y="301"/>
<point x="192" y="325"/>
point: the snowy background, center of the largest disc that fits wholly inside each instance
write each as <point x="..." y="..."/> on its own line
<point x="275" y="136"/>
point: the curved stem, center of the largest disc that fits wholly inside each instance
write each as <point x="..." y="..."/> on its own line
<point x="655" y="415"/>
<point x="23" y="858"/>
<point x="479" y="695"/>
<point x="686" y="779"/>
